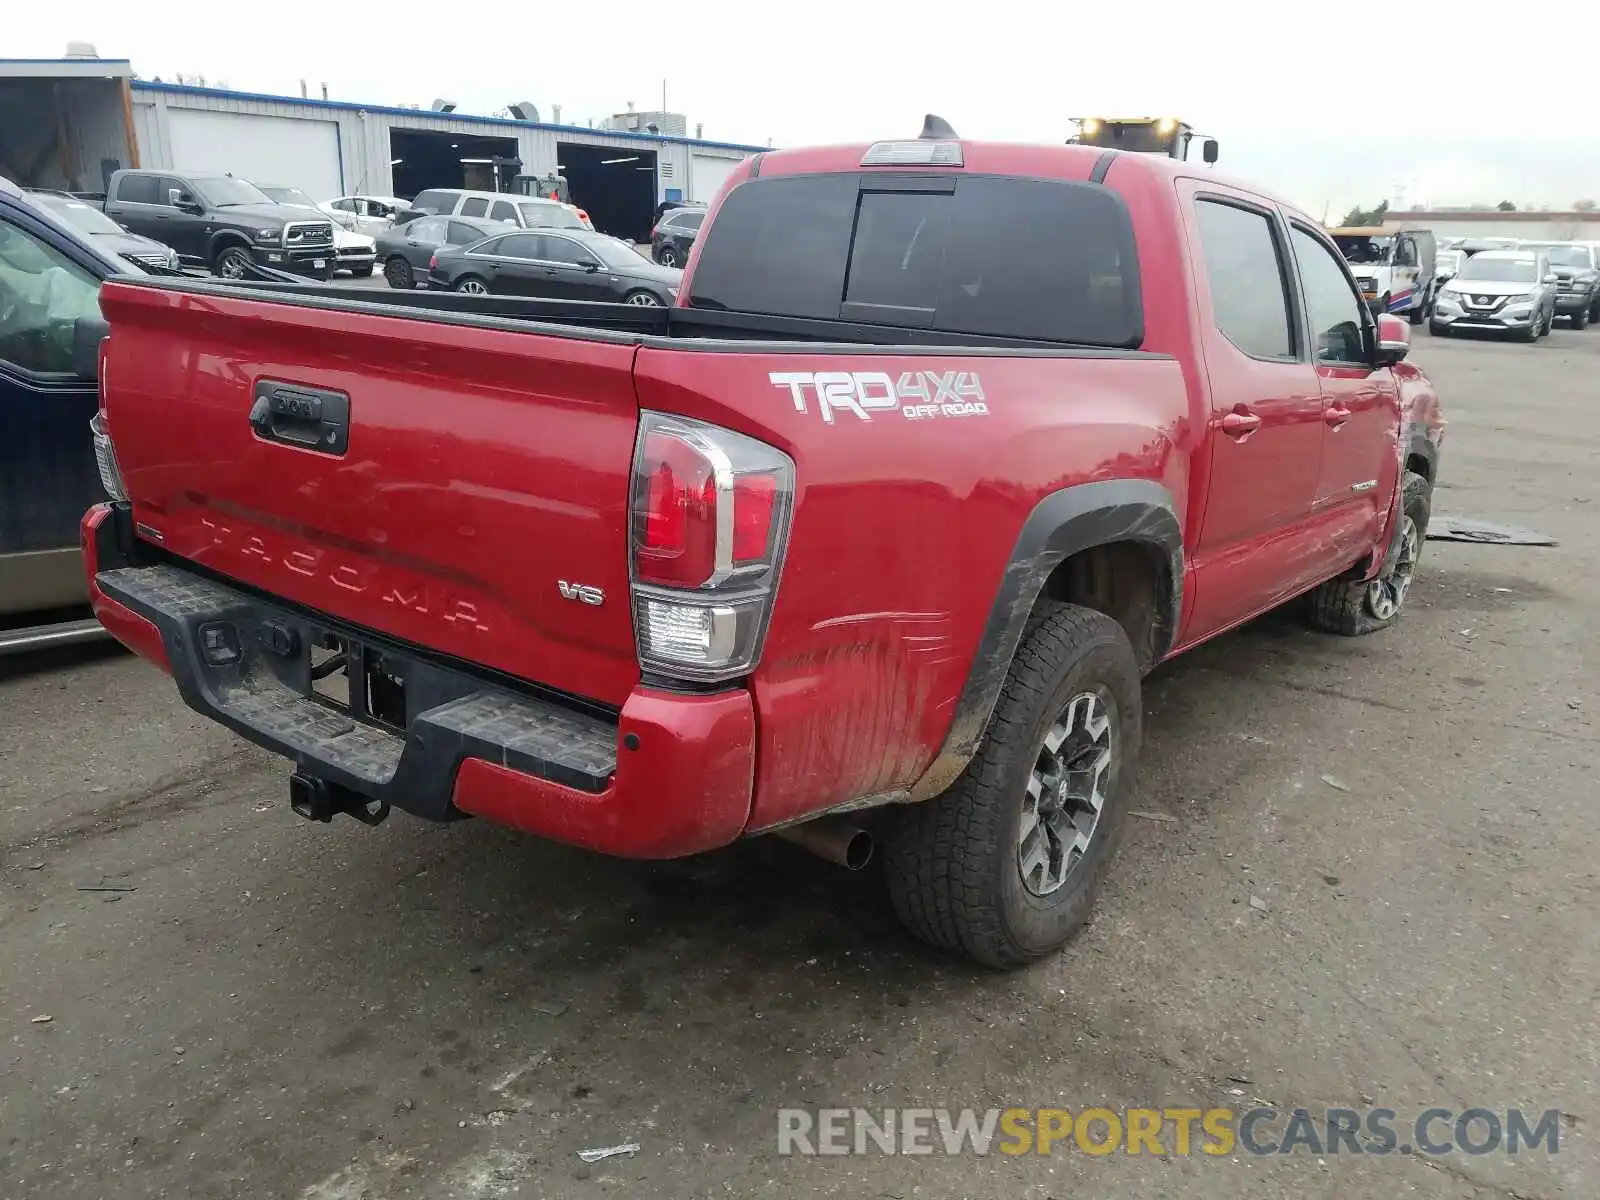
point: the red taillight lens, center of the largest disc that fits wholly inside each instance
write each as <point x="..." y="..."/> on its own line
<point x="677" y="523"/>
<point x="710" y="519"/>
<point x="754" y="499"/>
<point x="433" y="261"/>
<point x="582" y="216"/>
<point x="655" y="229"/>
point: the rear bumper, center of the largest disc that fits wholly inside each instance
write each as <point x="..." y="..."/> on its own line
<point x="669" y="775"/>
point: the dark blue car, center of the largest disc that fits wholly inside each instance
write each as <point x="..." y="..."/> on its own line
<point x="49" y="316"/>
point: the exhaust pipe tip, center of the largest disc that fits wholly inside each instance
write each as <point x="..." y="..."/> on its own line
<point x="845" y="845"/>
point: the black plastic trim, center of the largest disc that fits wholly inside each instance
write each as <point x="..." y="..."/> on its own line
<point x="1102" y="166"/>
<point x="266" y="697"/>
<point x="755" y="167"/>
<point x="1421" y="447"/>
<point x="1062" y="524"/>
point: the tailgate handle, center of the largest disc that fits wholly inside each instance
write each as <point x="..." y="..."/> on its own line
<point x="297" y="415"/>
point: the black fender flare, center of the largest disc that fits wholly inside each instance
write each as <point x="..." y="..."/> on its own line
<point x="1418" y="446"/>
<point x="227" y="237"/>
<point x="1062" y="524"/>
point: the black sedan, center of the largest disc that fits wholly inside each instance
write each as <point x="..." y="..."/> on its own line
<point x="674" y="235"/>
<point x="405" y="251"/>
<point x="85" y="219"/>
<point x="570" y="264"/>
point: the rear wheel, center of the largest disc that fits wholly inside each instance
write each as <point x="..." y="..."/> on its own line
<point x="232" y="262"/>
<point x="472" y="286"/>
<point x="668" y="257"/>
<point x="1354" y="608"/>
<point x="1580" y="319"/>
<point x="643" y="299"/>
<point x="1004" y="867"/>
<point x="1419" y="310"/>
<point x="399" y="274"/>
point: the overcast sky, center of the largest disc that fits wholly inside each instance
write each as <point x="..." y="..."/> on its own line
<point x="1326" y="108"/>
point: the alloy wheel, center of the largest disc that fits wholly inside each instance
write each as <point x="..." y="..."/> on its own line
<point x="1385" y="595"/>
<point x="1065" y="793"/>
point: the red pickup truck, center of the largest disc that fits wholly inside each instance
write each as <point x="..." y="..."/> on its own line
<point x="944" y="446"/>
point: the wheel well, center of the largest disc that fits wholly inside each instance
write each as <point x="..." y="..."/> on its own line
<point x="227" y="238"/>
<point x="1418" y="464"/>
<point x="1131" y="582"/>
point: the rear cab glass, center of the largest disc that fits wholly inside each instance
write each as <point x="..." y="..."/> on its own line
<point x="984" y="255"/>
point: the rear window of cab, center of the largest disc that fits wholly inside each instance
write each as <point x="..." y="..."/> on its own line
<point x="983" y="255"/>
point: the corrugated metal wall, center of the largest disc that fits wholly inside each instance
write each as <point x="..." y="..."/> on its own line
<point x="364" y="145"/>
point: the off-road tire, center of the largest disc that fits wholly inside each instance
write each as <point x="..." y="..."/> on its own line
<point x="1341" y="605"/>
<point x="1579" y="319"/>
<point x="362" y="272"/>
<point x="952" y="863"/>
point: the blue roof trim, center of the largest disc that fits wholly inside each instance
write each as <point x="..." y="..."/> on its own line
<point x="182" y="89"/>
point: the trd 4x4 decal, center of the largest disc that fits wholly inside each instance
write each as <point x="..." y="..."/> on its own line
<point x="918" y="395"/>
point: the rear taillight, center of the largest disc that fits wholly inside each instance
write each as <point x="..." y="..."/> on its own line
<point x="654" y="230"/>
<point x="710" y="521"/>
<point x="105" y="455"/>
<point x="433" y="260"/>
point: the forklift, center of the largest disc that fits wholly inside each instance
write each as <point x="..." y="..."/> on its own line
<point x="1142" y="135"/>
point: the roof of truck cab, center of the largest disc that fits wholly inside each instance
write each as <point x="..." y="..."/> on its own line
<point x="1071" y="162"/>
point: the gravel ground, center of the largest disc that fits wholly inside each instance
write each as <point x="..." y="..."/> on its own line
<point x="272" y="1009"/>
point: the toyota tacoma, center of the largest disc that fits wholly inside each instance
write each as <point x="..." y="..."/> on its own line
<point x="869" y="538"/>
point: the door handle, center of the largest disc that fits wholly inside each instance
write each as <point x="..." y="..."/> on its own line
<point x="1336" y="416"/>
<point x="1239" y="424"/>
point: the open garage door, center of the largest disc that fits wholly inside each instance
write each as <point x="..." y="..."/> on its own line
<point x="616" y="187"/>
<point x="273" y="150"/>
<point x="707" y="173"/>
<point x="427" y="158"/>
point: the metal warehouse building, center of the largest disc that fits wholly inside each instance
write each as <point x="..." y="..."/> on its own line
<point x="85" y="116"/>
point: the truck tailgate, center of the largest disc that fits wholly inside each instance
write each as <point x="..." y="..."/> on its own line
<point x="436" y="482"/>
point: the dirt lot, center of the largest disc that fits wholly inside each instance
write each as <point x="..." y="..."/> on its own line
<point x="273" y="1009"/>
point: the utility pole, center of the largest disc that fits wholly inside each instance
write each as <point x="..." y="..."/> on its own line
<point x="663" y="95"/>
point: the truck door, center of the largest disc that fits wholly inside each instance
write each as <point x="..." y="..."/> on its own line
<point x="1361" y="407"/>
<point x="1265" y="425"/>
<point x="1405" y="292"/>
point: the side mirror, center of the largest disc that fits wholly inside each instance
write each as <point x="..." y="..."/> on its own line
<point x="1394" y="340"/>
<point x="87" y="334"/>
<point x="1208" y="151"/>
<point x="188" y="204"/>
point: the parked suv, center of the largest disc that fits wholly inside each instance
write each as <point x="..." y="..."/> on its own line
<point x="1502" y="291"/>
<point x="1577" y="271"/>
<point x="220" y="222"/>
<point x="525" y="212"/>
<point x="674" y="235"/>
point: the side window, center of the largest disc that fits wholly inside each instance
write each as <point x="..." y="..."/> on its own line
<point x="432" y="201"/>
<point x="42" y="295"/>
<point x="427" y="230"/>
<point x="502" y="211"/>
<point x="520" y="245"/>
<point x="475" y="206"/>
<point x="1337" y="313"/>
<point x="559" y="249"/>
<point x="346" y="205"/>
<point x="689" y="222"/>
<point x="1246" y="278"/>
<point x="464" y="235"/>
<point x="137" y="189"/>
